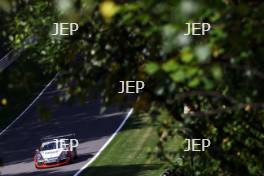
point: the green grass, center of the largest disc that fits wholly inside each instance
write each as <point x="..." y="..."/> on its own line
<point x="131" y="152"/>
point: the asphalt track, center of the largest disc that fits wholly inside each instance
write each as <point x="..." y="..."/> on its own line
<point x="93" y="129"/>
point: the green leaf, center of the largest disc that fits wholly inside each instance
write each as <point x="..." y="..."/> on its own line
<point x="151" y="68"/>
<point x="191" y="71"/>
<point x="216" y="72"/>
<point x="186" y="55"/>
<point x="178" y="76"/>
<point x="170" y="66"/>
<point x="194" y="82"/>
<point x="208" y="84"/>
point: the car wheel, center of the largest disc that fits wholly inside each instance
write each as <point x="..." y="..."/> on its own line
<point x="75" y="154"/>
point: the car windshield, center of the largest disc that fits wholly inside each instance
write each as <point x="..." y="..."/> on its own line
<point x="53" y="145"/>
<point x="48" y="146"/>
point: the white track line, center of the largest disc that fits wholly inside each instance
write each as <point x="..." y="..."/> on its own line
<point x="29" y="106"/>
<point x="106" y="144"/>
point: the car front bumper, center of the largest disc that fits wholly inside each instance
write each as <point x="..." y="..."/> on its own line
<point x="43" y="165"/>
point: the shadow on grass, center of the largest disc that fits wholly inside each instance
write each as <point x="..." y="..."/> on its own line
<point x="122" y="170"/>
<point x="137" y="123"/>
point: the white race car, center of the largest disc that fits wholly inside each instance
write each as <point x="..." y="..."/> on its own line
<point x="55" y="151"/>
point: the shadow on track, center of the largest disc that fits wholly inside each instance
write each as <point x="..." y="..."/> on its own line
<point x="128" y="170"/>
<point x="42" y="173"/>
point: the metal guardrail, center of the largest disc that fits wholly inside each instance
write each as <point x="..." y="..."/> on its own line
<point x="7" y="60"/>
<point x="13" y="55"/>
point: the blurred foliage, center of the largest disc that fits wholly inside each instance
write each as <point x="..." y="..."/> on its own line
<point x="219" y="76"/>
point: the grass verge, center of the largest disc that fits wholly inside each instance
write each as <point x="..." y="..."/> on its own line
<point x="131" y="152"/>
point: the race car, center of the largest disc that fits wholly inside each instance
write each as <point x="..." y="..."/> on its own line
<point x="55" y="151"/>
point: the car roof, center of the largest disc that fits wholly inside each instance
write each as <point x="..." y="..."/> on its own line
<point x="47" y="142"/>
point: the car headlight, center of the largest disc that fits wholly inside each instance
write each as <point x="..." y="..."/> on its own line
<point x="39" y="157"/>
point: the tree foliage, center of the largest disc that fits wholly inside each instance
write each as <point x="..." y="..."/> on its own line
<point x="218" y="76"/>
